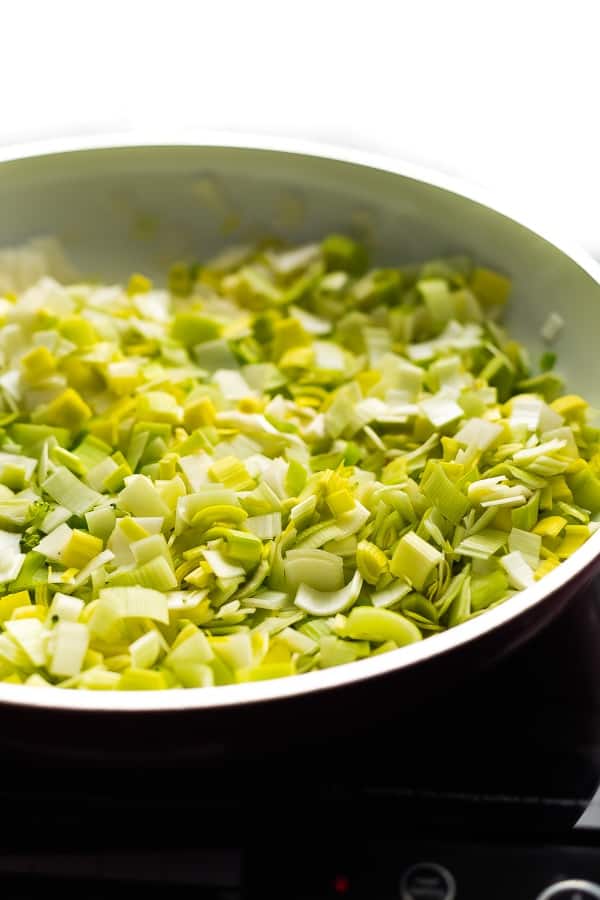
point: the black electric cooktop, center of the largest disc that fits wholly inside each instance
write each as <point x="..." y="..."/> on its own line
<point x="486" y="792"/>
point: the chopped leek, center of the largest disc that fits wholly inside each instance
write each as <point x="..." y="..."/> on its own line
<point x="283" y="461"/>
<point x="328" y="603"/>
<point x="414" y="559"/>
<point x="68" y="644"/>
<point x="371" y="624"/>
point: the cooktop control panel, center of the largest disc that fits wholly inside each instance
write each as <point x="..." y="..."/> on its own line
<point x="421" y="871"/>
<point x="315" y="864"/>
<point x="313" y="870"/>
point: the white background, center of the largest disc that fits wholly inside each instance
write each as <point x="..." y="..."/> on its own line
<point x="505" y="94"/>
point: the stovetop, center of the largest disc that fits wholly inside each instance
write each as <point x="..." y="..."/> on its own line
<point x="493" y="783"/>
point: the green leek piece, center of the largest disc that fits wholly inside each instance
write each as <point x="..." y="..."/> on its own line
<point x="79" y="549"/>
<point x="231" y="473"/>
<point x="342" y="254"/>
<point x="317" y="569"/>
<point x="336" y="652"/>
<point x="91" y="451"/>
<point x="116" y="604"/>
<point x="574" y="537"/>
<point x="371" y="624"/>
<point x="66" y="489"/>
<point x="526" y="516"/>
<point x="438" y="299"/>
<point x="328" y="603"/>
<point x="547" y="361"/>
<point x="585" y="486"/>
<point x="243" y="548"/>
<point x="491" y="288"/>
<point x="443" y="494"/>
<point x="65" y="607"/>
<point x="414" y="559"/>
<point x="527" y="544"/>
<point x="68" y="645"/>
<point x="63" y="457"/>
<point x="29" y="636"/>
<point x="78" y="330"/>
<point x="30" y="435"/>
<point x="548" y="385"/>
<point x="159" y="406"/>
<point x="68" y="410"/>
<point x="371" y="562"/>
<point x="38" y="365"/>
<point x="265" y="672"/>
<point x="145" y="650"/>
<point x="156" y="573"/>
<point x="488" y="589"/>
<point x="10" y="602"/>
<point x="32" y="573"/>
<point x="235" y="650"/>
<point x="191" y="328"/>
<point x="499" y="373"/>
<point x="391" y="594"/>
<point x="190" y="653"/>
<point x="483" y="544"/>
<point x="519" y="572"/>
<point x="142" y="680"/>
<point x="141" y="498"/>
<point x="378" y="286"/>
<point x="288" y="334"/>
<point x="252" y="289"/>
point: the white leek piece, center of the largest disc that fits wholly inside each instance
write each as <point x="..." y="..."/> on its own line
<point x="328" y="603"/>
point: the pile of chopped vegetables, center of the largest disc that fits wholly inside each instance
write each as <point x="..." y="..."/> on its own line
<point x="283" y="462"/>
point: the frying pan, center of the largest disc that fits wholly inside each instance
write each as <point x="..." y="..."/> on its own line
<point x="120" y="205"/>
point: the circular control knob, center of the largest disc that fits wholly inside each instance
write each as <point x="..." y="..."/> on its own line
<point x="573" y="889"/>
<point x="427" y="881"/>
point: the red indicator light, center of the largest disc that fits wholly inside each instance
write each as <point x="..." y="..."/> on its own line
<point x="341" y="884"/>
